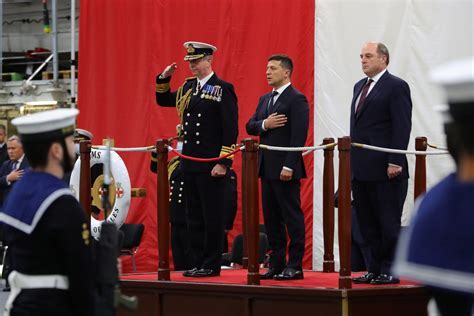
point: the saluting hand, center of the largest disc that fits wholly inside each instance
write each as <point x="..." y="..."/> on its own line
<point x="169" y="70"/>
<point x="275" y="120"/>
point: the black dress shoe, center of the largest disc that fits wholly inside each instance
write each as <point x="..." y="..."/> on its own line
<point x="385" y="279"/>
<point x="6" y="289"/>
<point x="289" y="274"/>
<point x="270" y="274"/>
<point x="365" y="279"/>
<point x="190" y="273"/>
<point x="201" y="273"/>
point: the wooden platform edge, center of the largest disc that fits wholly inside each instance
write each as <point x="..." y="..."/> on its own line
<point x="164" y="298"/>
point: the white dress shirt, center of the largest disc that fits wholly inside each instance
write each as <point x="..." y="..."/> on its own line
<point x="375" y="79"/>
<point x="204" y="80"/>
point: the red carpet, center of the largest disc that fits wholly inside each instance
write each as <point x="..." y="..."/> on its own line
<point x="239" y="276"/>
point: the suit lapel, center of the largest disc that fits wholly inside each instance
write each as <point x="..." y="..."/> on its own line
<point x="373" y="94"/>
<point x="264" y="106"/>
<point x="282" y="99"/>
<point x="354" y="98"/>
<point x="194" y="98"/>
<point x="23" y="164"/>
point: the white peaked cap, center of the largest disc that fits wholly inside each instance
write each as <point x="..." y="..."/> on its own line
<point x="52" y="124"/>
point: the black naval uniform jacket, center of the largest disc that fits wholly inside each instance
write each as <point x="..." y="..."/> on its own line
<point x="177" y="205"/>
<point x="176" y="182"/>
<point x="210" y="121"/>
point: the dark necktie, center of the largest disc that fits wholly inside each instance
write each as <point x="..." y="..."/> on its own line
<point x="270" y="104"/>
<point x="15" y="164"/>
<point x="363" y="96"/>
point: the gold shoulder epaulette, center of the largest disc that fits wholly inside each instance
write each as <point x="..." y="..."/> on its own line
<point x="190" y="78"/>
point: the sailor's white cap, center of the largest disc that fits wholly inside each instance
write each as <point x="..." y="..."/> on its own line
<point x="456" y="78"/>
<point x="80" y="133"/>
<point x="46" y="125"/>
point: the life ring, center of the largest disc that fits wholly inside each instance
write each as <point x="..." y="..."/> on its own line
<point x="120" y="188"/>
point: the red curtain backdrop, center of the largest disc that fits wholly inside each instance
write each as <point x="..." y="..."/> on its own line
<point x="124" y="44"/>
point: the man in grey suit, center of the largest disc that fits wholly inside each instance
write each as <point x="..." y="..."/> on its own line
<point x="282" y="119"/>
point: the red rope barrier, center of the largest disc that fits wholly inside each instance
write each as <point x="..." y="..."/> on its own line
<point x="205" y="159"/>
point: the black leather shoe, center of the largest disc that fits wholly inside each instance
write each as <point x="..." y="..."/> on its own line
<point x="201" y="273"/>
<point x="385" y="279"/>
<point x="365" y="279"/>
<point x="6" y="289"/>
<point x="289" y="274"/>
<point x="270" y="274"/>
<point x="190" y="273"/>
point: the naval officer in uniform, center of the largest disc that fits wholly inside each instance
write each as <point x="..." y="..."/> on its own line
<point x="46" y="228"/>
<point x="207" y="106"/>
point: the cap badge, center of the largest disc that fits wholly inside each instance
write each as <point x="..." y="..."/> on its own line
<point x="191" y="49"/>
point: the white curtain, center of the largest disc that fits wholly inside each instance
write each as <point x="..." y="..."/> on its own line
<point x="420" y="34"/>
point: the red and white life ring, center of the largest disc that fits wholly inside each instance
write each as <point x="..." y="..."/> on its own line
<point x="120" y="188"/>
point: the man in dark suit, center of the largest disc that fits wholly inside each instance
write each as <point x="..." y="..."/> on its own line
<point x="207" y="106"/>
<point x="380" y="116"/>
<point x="282" y="119"/>
<point x="10" y="172"/>
<point x="13" y="169"/>
<point x="3" y="152"/>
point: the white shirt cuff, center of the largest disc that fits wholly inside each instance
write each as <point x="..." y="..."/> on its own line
<point x="263" y="126"/>
<point x="287" y="169"/>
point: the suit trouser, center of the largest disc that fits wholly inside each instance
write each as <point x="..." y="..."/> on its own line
<point x="379" y="207"/>
<point x="180" y="246"/>
<point x="282" y="209"/>
<point x="360" y="250"/>
<point x="204" y="200"/>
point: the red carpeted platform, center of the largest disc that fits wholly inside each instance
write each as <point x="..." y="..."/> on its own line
<point x="229" y="295"/>
<point x="311" y="279"/>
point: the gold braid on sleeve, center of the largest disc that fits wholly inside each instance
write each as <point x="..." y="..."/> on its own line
<point x="172" y="165"/>
<point x="162" y="87"/>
